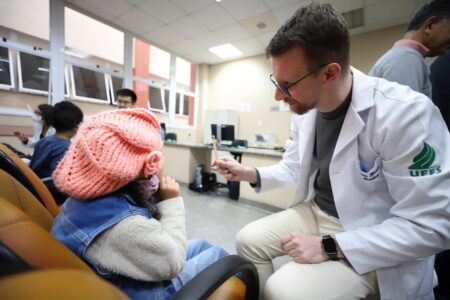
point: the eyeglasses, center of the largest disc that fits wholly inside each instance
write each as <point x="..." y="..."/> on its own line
<point x="284" y="87"/>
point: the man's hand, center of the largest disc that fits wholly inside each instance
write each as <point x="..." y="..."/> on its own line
<point x="304" y="248"/>
<point x="234" y="171"/>
<point x="21" y="136"/>
<point x="168" y="188"/>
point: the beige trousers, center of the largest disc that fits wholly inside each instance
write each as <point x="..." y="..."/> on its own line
<point x="260" y="242"/>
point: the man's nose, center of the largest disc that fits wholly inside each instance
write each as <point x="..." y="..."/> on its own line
<point x="279" y="96"/>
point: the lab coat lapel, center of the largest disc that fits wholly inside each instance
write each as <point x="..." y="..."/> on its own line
<point x="362" y="99"/>
<point x="306" y="138"/>
<point x="352" y="126"/>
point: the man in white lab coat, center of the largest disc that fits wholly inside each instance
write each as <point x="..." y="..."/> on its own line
<point x="371" y="161"/>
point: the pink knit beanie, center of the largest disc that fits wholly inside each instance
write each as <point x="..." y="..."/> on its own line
<point x="109" y="151"/>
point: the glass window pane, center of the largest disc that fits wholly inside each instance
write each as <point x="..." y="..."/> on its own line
<point x="116" y="84"/>
<point x="35" y="71"/>
<point x="185" y="75"/>
<point x="93" y="41"/>
<point x="156" y="99"/>
<point x="150" y="62"/>
<point x="177" y="104"/>
<point x="26" y="21"/>
<point x="186" y="105"/>
<point x="5" y="72"/>
<point x="166" y="99"/>
<point x="89" y="84"/>
<point x="159" y="63"/>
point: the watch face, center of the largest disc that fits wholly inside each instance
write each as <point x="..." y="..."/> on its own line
<point x="329" y="244"/>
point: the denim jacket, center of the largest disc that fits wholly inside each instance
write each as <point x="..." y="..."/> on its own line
<point x="80" y="222"/>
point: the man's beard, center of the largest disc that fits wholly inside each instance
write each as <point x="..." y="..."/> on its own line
<point x="297" y="107"/>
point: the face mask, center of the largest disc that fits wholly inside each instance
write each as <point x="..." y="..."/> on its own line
<point x="149" y="187"/>
<point x="36" y="118"/>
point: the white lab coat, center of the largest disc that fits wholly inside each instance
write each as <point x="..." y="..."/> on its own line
<point x="394" y="223"/>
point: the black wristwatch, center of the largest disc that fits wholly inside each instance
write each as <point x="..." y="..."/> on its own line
<point x="329" y="245"/>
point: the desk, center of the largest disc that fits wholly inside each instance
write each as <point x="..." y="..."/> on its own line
<point x="181" y="160"/>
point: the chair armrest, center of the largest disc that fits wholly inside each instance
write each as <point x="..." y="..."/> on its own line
<point x="207" y="281"/>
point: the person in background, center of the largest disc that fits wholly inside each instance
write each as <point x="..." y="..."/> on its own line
<point x="370" y="161"/>
<point x="440" y="81"/>
<point x="125" y="98"/>
<point x="133" y="221"/>
<point x="427" y="35"/>
<point x="49" y="151"/>
<point x="41" y="117"/>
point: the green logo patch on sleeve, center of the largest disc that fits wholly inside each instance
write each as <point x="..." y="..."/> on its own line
<point x="422" y="162"/>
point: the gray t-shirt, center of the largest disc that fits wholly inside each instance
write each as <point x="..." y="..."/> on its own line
<point x="404" y="65"/>
<point x="328" y="127"/>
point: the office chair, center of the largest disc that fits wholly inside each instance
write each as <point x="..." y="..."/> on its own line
<point x="24" y="231"/>
<point x="13" y="165"/>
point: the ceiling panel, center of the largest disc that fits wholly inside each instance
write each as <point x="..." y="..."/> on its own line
<point x="273" y="4"/>
<point x="135" y="2"/>
<point x="190" y="27"/>
<point x="191" y="6"/>
<point x="165" y="35"/>
<point x="250" y="46"/>
<point x="241" y="10"/>
<point x="136" y="21"/>
<point x="186" y="47"/>
<point x="214" y="17"/>
<point x="208" y="40"/>
<point x="162" y="10"/>
<point x="231" y="33"/>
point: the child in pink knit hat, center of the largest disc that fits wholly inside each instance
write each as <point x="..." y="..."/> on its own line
<point x="124" y="221"/>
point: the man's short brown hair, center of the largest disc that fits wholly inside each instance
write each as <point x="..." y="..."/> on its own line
<point x="320" y="31"/>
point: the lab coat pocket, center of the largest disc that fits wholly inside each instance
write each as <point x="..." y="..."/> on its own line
<point x="371" y="174"/>
<point x="370" y="179"/>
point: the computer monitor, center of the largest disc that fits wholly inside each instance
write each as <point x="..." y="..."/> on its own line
<point x="225" y="135"/>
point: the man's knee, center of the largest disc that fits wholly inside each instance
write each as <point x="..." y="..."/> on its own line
<point x="246" y="239"/>
<point x="279" y="288"/>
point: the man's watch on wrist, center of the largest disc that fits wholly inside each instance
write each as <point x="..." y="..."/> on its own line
<point x="329" y="246"/>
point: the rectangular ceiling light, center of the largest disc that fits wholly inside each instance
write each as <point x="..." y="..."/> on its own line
<point x="225" y="51"/>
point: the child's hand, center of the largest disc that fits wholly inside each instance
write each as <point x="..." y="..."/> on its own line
<point x="21" y="136"/>
<point x="168" y="188"/>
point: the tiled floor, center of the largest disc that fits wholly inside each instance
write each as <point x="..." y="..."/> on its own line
<point x="217" y="218"/>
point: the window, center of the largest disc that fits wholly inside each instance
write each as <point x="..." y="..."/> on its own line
<point x="93" y="41"/>
<point x="116" y="84"/>
<point x="156" y="100"/>
<point x="166" y="99"/>
<point x="182" y="104"/>
<point x="6" y="73"/>
<point x="26" y="22"/>
<point x="89" y="85"/>
<point x="183" y="76"/>
<point x="34" y="73"/>
<point x="151" y="63"/>
<point x="185" y="105"/>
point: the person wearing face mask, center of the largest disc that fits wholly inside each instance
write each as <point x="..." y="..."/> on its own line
<point x="41" y="117"/>
<point x="131" y="221"/>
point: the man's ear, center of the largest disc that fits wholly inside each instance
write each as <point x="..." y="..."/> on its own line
<point x="429" y="24"/>
<point x="332" y="72"/>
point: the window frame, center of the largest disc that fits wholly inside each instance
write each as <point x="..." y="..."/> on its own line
<point x="11" y="72"/>
<point x="112" y="89"/>
<point x="163" y="95"/>
<point x="20" y="75"/>
<point x="74" y="96"/>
